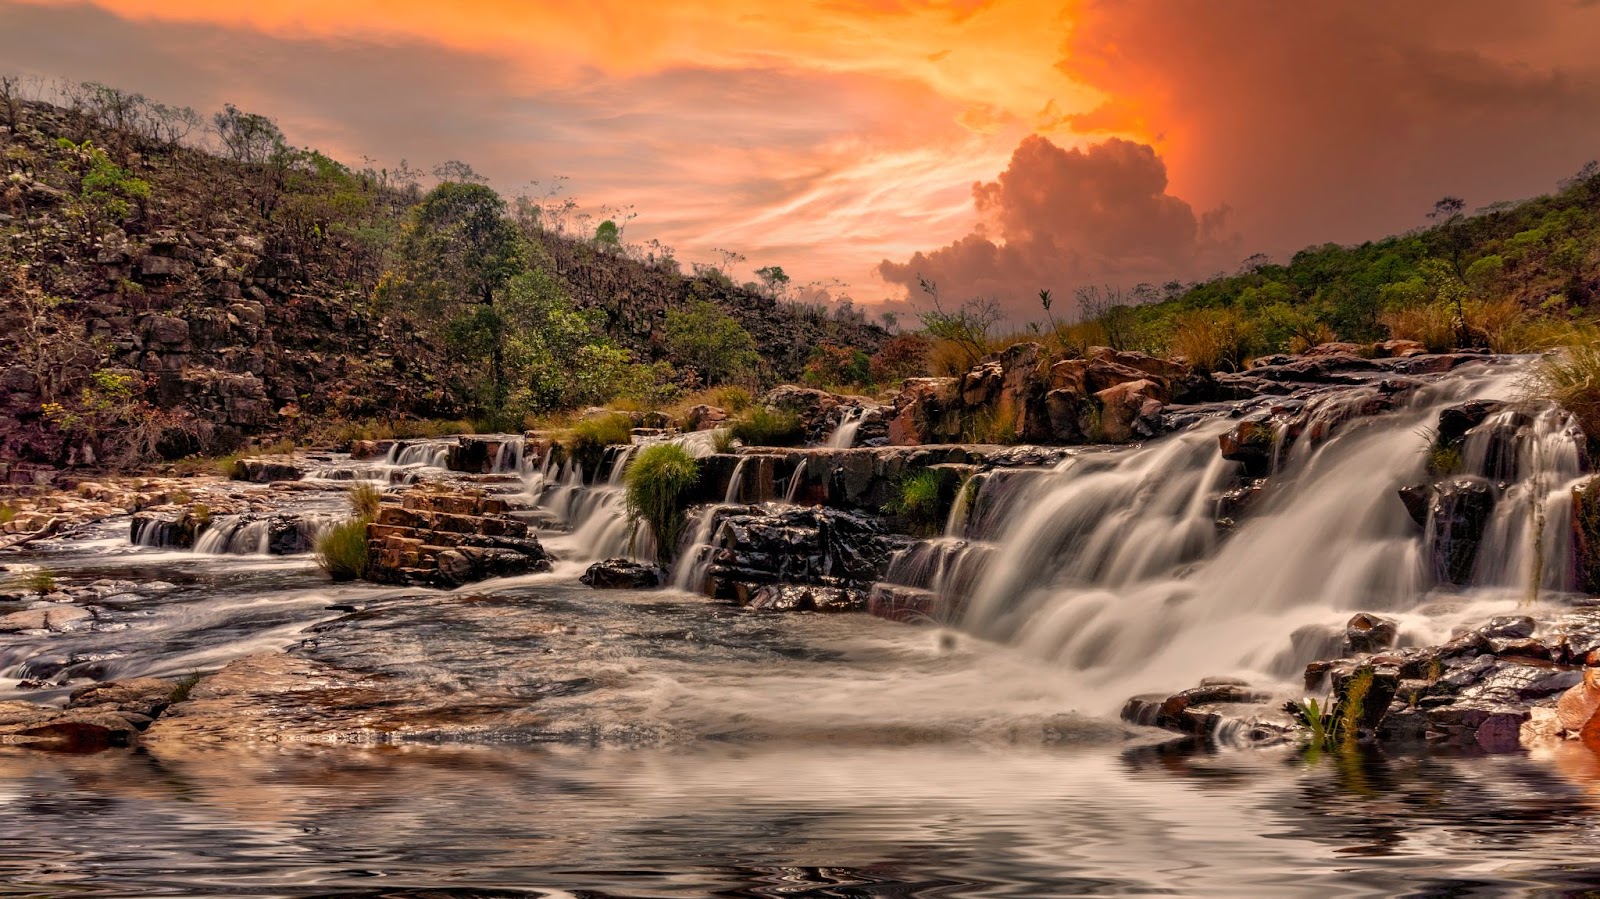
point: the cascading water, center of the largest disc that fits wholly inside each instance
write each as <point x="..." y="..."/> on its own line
<point x="689" y="571"/>
<point x="234" y="535"/>
<point x="1113" y="563"/>
<point x="844" y="436"/>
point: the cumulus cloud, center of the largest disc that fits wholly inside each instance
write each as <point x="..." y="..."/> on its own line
<point x="1062" y="218"/>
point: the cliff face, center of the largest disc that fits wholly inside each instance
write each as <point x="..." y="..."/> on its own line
<point x="160" y="300"/>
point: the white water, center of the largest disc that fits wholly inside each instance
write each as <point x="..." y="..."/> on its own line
<point x="844" y="436"/>
<point x="1112" y="564"/>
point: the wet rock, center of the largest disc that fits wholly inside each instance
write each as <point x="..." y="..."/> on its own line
<point x="1251" y="442"/>
<point x="1508" y="627"/>
<point x="58" y="619"/>
<point x="1458" y="516"/>
<point x="146" y="696"/>
<point x="623" y="574"/>
<point x="1197" y="711"/>
<point x="267" y="470"/>
<point x="448" y="538"/>
<point x="1130" y="411"/>
<point x="796" y="547"/>
<point x="1368" y="633"/>
<point x="807" y="598"/>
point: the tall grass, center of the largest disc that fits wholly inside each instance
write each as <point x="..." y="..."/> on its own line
<point x="657" y="487"/>
<point x="342" y="550"/>
<point x="1571" y="377"/>
<point x="919" y="501"/>
<point x="364" y="500"/>
<point x="769" y="427"/>
<point x="1212" y="339"/>
<point x="588" y="439"/>
<point x="41" y="582"/>
<point x="1432" y="325"/>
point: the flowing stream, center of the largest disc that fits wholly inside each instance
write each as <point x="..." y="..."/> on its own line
<point x="533" y="737"/>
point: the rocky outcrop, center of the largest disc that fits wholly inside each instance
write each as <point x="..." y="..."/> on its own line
<point x="622" y="574"/>
<point x="444" y="538"/>
<point x="764" y="555"/>
<point x="96" y="717"/>
<point x="1024" y="394"/>
<point x="266" y="470"/>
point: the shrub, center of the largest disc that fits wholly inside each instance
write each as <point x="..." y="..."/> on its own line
<point x="920" y="501"/>
<point x="364" y="500"/>
<point x="732" y="399"/>
<point x="8" y="513"/>
<point x="769" y="427"/>
<point x="658" y="483"/>
<point x="342" y="551"/>
<point x="183" y="687"/>
<point x="1432" y="325"/>
<point x="1211" y="339"/>
<point x="903" y="356"/>
<point x="589" y="438"/>
<point x="1571" y="378"/>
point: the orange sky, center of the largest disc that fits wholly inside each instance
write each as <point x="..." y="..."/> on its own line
<point x="828" y="137"/>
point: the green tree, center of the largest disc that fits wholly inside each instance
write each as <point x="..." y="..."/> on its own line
<point x="460" y="252"/>
<point x="556" y="354"/>
<point x="608" y="236"/>
<point x="774" y="280"/>
<point x="702" y="336"/>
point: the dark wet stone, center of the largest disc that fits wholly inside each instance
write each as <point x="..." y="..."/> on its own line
<point x="1508" y="627"/>
<point x="1369" y="633"/>
<point x="620" y="574"/>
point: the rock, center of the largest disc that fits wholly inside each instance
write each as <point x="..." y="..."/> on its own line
<point x="146" y="696"/>
<point x="1395" y="349"/>
<point x="1578" y="705"/>
<point x="1130" y="411"/>
<point x="1251" y="442"/>
<point x="1368" y="633"/>
<point x="927" y="410"/>
<point x="1459" y="514"/>
<point x="807" y="598"/>
<point x="623" y="574"/>
<point x="704" y="417"/>
<point x="58" y="619"/>
<point x="1509" y="626"/>
<point x="266" y="470"/>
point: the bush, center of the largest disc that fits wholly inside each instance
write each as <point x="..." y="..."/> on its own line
<point x="342" y="551"/>
<point x="658" y="484"/>
<point x="364" y="500"/>
<point x="1571" y="378"/>
<point x="1212" y="339"/>
<point x="920" y="501"/>
<point x="769" y="427"/>
<point x="1432" y="325"/>
<point x="589" y="438"/>
<point x="903" y="356"/>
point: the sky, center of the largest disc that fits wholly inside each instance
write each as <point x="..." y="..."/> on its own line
<point x="994" y="148"/>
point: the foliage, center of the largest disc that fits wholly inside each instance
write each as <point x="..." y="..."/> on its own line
<point x="1323" y="726"/>
<point x="183" y="687"/>
<point x="1587" y="519"/>
<point x="365" y="499"/>
<point x="1212" y="339"/>
<point x="589" y="438"/>
<point x="902" y="356"/>
<point x="40" y="582"/>
<point x="710" y="341"/>
<point x="657" y="489"/>
<point x="836" y="366"/>
<point x="964" y="332"/>
<point x="920" y="501"/>
<point x="341" y="551"/>
<point x="722" y="440"/>
<point x="1571" y="377"/>
<point x="556" y="357"/>
<point x="993" y="426"/>
<point x="769" y="427"/>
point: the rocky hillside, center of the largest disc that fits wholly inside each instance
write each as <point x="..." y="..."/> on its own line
<point x="157" y="299"/>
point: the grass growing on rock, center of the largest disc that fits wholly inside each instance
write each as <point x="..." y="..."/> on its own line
<point x="183" y="687"/>
<point x="658" y="484"/>
<point x="342" y="550"/>
<point x="1571" y="378"/>
<point x="920" y="501"/>
<point x="769" y="427"/>
<point x="41" y="582"/>
<point x="364" y="500"/>
<point x="588" y="439"/>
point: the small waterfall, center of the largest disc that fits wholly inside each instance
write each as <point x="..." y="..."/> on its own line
<point x="235" y="535"/>
<point x="694" y="560"/>
<point x="735" y="481"/>
<point x="844" y="436"/>
<point x="424" y="454"/>
<point x="1115" y="565"/>
<point x="509" y="460"/>
<point x="795" y="481"/>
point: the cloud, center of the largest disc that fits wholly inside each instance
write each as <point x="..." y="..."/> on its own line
<point x="1061" y="218"/>
<point x="1343" y="121"/>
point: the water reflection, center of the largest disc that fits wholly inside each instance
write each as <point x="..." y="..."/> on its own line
<point x="743" y="821"/>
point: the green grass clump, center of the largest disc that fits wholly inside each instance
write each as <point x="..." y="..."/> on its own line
<point x="183" y="687"/>
<point x="342" y="551"/>
<point x="1571" y="378"/>
<point x="588" y="439"/>
<point x="41" y="582"/>
<point x="364" y="500"/>
<point x="722" y="440"/>
<point x="8" y="513"/>
<point x="658" y="484"/>
<point x="769" y="427"/>
<point x="920" y="501"/>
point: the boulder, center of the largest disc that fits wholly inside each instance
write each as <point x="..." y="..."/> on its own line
<point x="267" y="470"/>
<point x="704" y="417"/>
<point x="1130" y="410"/>
<point x="1368" y="633"/>
<point x="623" y="574"/>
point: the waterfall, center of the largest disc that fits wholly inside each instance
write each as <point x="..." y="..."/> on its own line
<point x="234" y="535"/>
<point x="424" y="454"/>
<point x="844" y="436"/>
<point x="735" y="482"/>
<point x="795" y="480"/>
<point x="1114" y="564"/>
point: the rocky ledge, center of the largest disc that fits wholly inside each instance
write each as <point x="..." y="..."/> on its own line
<point x="446" y="538"/>
<point x="96" y="717"/>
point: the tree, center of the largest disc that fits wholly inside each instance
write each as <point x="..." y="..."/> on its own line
<point x="774" y="280"/>
<point x="709" y="340"/>
<point x="246" y="136"/>
<point x="1449" y="221"/>
<point x="460" y="251"/>
<point x="607" y="236"/>
<point x="556" y="355"/>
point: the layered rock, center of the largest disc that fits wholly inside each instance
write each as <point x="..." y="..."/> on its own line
<point x="761" y="556"/>
<point x="443" y="538"/>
